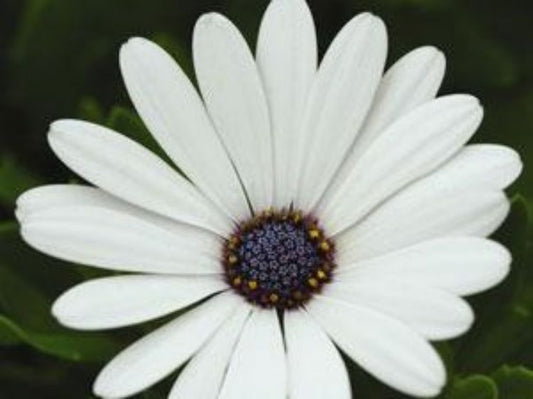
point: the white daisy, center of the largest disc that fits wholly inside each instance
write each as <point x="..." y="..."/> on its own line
<point x="336" y="201"/>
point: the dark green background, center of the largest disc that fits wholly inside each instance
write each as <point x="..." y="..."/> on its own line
<point x="58" y="58"/>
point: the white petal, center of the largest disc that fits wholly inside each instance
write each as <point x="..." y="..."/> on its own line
<point x="287" y="61"/>
<point x="126" y="169"/>
<point x="158" y="354"/>
<point x="408" y="220"/>
<point x="316" y="369"/>
<point x="99" y="235"/>
<point x="175" y="114"/>
<point x="483" y="166"/>
<point x="383" y="346"/>
<point x="410" y="148"/>
<point x="258" y="367"/>
<point x="234" y="96"/>
<point x="433" y="313"/>
<point x="412" y="80"/>
<point x="441" y="203"/>
<point x="59" y="195"/>
<point x="119" y="301"/>
<point x="339" y="101"/>
<point x="460" y="265"/>
<point x="203" y="376"/>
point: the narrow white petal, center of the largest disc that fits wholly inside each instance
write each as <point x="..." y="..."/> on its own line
<point x="126" y="169"/>
<point x="460" y="265"/>
<point x="60" y="195"/>
<point x="203" y="376"/>
<point x="411" y="81"/>
<point x="119" y="301"/>
<point x="408" y="219"/>
<point x="55" y="196"/>
<point x="258" y="365"/>
<point x="103" y="236"/>
<point x="173" y="111"/>
<point x="383" y="346"/>
<point x="433" y="313"/>
<point x="340" y="98"/>
<point x="158" y="354"/>
<point x="483" y="166"/>
<point x="287" y="61"/>
<point x="316" y="369"/>
<point x="234" y="96"/>
<point x="410" y="148"/>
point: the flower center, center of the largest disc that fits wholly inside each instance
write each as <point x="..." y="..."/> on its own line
<point x="278" y="259"/>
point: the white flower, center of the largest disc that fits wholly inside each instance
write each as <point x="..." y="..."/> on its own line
<point x="369" y="214"/>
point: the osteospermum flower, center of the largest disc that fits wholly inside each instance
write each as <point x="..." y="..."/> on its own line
<point x="337" y="202"/>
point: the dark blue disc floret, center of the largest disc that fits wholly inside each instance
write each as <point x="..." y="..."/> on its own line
<point x="278" y="259"/>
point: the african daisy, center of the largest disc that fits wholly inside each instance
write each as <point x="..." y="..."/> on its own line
<point x="318" y="208"/>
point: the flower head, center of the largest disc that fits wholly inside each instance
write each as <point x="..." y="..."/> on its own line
<point x="336" y="201"/>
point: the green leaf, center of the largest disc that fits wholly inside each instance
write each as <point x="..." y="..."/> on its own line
<point x="129" y="123"/>
<point x="15" y="179"/>
<point x="473" y="387"/>
<point x="8" y="337"/>
<point x="514" y="382"/>
<point x="22" y="301"/>
<point x="25" y="307"/>
<point x="90" y="110"/>
<point x="69" y="346"/>
<point x="505" y="314"/>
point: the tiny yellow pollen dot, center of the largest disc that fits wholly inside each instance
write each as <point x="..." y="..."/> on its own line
<point x="297" y="295"/>
<point x="321" y="274"/>
<point x="273" y="298"/>
<point x="313" y="282"/>
<point x="297" y="217"/>
<point x="252" y="284"/>
<point x="324" y="246"/>
<point x="314" y="233"/>
<point x="237" y="281"/>
<point x="232" y="259"/>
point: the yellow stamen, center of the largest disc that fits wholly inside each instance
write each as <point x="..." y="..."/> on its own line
<point x="314" y="233"/>
<point x="313" y="282"/>
<point x="321" y="274"/>
<point x="324" y="246"/>
<point x="273" y="298"/>
<point x="252" y="284"/>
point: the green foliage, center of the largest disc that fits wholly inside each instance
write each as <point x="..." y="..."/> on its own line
<point x="473" y="387"/>
<point x="58" y="58"/>
<point x="15" y="180"/>
<point x="514" y="382"/>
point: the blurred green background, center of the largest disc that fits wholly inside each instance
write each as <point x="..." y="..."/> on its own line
<point x="58" y="58"/>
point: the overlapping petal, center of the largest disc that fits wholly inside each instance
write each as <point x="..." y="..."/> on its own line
<point x="86" y="225"/>
<point x="382" y="345"/>
<point x="463" y="197"/>
<point x="173" y="111"/>
<point x="120" y="301"/>
<point x="127" y="170"/>
<point x="433" y="313"/>
<point x="413" y="80"/>
<point x="410" y="148"/>
<point x="259" y="354"/>
<point x="339" y="100"/>
<point x="287" y="62"/>
<point x="203" y="376"/>
<point x="233" y="93"/>
<point x="315" y="367"/>
<point x="159" y="353"/>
